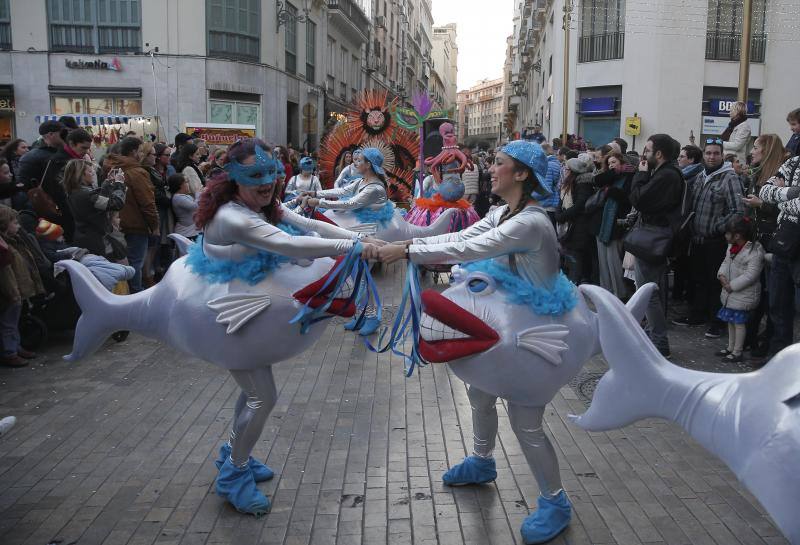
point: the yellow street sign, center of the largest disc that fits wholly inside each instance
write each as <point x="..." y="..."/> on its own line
<point x="633" y="126"/>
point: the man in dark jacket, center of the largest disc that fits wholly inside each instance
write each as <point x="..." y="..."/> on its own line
<point x="657" y="194"/>
<point x="32" y="165"/>
<point x="716" y="199"/>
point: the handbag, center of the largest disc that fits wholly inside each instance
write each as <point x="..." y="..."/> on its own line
<point x="650" y="243"/>
<point x="786" y="240"/>
<point x="42" y="203"/>
<point x="597" y="200"/>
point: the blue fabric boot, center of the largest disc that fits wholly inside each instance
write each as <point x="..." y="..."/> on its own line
<point x="260" y="471"/>
<point x="473" y="470"/>
<point x="550" y="519"/>
<point x="238" y="487"/>
<point x="352" y="324"/>
<point x="370" y="326"/>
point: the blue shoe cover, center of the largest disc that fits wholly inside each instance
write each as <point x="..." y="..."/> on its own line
<point x="260" y="471"/>
<point x="473" y="470"/>
<point x="239" y="489"/>
<point x="351" y="325"/>
<point x="370" y="326"/>
<point x="550" y="519"/>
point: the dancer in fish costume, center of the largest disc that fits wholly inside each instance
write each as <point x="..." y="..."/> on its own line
<point x="510" y="326"/>
<point x="231" y="299"/>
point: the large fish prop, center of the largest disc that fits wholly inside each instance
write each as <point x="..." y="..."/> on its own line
<point x="395" y="230"/>
<point x="505" y="348"/>
<point x="234" y="325"/>
<point x="751" y="421"/>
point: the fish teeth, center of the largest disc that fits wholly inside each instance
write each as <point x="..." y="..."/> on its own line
<point x="434" y="330"/>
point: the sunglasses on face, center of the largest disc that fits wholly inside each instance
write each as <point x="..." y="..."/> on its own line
<point x="714" y="141"/>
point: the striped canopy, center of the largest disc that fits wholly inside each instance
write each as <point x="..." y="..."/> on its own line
<point x="88" y="120"/>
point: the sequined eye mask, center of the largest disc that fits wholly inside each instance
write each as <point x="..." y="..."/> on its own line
<point x="262" y="172"/>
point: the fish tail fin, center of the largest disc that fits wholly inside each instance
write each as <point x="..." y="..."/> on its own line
<point x="438" y="227"/>
<point x="640" y="300"/>
<point x="182" y="243"/>
<point x="632" y="387"/>
<point x="100" y="308"/>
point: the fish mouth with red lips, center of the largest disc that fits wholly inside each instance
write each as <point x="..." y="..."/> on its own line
<point x="341" y="306"/>
<point x="448" y="332"/>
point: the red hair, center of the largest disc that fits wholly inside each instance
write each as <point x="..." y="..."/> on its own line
<point x="220" y="190"/>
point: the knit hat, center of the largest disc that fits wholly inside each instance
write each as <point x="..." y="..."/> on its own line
<point x="580" y="164"/>
<point x="48" y="230"/>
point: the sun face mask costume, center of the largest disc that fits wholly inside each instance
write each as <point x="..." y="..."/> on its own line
<point x="233" y="301"/>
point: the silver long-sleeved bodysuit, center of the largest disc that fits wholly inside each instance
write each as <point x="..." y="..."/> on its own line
<point x="526" y="243"/>
<point x="234" y="233"/>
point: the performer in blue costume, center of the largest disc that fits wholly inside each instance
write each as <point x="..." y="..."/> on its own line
<point x="367" y="198"/>
<point x="513" y="251"/>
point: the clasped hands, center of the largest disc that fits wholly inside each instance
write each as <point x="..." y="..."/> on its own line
<point x="383" y="251"/>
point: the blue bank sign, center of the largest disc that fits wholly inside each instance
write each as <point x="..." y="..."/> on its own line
<point x="721" y="106"/>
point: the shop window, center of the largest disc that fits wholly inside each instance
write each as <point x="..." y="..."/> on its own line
<point x="291" y="39"/>
<point x="234" y="29"/>
<point x="5" y="25"/>
<point x="724" y="30"/>
<point x="64" y="105"/>
<point x="311" y="50"/>
<point x="95" y="26"/>
<point x="229" y="111"/>
<point x="602" y="30"/>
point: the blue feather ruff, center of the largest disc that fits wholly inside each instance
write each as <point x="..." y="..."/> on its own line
<point x="554" y="302"/>
<point x="382" y="217"/>
<point x="252" y="269"/>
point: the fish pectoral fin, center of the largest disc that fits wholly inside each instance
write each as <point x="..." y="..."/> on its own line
<point x="545" y="341"/>
<point x="235" y="310"/>
<point x="364" y="228"/>
<point x="793" y="402"/>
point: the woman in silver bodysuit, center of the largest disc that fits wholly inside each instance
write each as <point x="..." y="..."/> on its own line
<point x="367" y="194"/>
<point x="239" y="213"/>
<point x="518" y="236"/>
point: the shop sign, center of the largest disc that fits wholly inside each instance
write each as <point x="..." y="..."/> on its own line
<point x="220" y="134"/>
<point x="6" y="104"/>
<point x="715" y="125"/>
<point x="721" y="106"/>
<point x="633" y="126"/>
<point x="97" y="64"/>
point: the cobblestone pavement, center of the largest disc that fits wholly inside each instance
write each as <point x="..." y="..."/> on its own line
<point x="119" y="449"/>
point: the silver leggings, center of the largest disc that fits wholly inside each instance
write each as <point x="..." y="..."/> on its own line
<point x="527" y="425"/>
<point x="255" y="402"/>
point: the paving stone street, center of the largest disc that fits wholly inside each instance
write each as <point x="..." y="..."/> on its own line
<point x="119" y="448"/>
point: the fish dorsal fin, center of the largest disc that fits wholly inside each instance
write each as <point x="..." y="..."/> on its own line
<point x="235" y="310"/>
<point x="546" y="341"/>
<point x="368" y="228"/>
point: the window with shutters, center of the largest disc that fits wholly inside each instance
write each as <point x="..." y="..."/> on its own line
<point x="5" y="25"/>
<point x="95" y="26"/>
<point x="311" y="50"/>
<point x="291" y="39"/>
<point x="724" y="30"/>
<point x="234" y="29"/>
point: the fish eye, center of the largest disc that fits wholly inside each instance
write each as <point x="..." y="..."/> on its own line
<point x="480" y="283"/>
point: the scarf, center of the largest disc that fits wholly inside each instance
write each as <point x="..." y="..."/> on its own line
<point x="71" y="152"/>
<point x="735" y="122"/>
<point x="609" y="215"/>
<point x="736" y="248"/>
<point x="689" y="171"/>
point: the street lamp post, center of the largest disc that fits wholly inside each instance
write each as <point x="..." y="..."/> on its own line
<point x="284" y="16"/>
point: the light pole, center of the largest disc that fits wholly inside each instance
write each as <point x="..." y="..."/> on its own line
<point x="565" y="112"/>
<point x="744" y="56"/>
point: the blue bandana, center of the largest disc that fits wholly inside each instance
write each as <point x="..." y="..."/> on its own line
<point x="262" y="172"/>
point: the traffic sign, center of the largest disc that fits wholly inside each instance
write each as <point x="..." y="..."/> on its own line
<point x="633" y="126"/>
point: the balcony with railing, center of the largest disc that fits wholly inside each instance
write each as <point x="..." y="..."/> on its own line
<point x="349" y="17"/>
<point x="601" y="47"/>
<point x="727" y="46"/>
<point x="232" y="45"/>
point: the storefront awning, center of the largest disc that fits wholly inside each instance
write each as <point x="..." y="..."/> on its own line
<point x="89" y="120"/>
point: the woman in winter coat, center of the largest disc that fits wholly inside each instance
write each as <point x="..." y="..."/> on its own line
<point x="92" y="206"/>
<point x="574" y="229"/>
<point x="188" y="164"/>
<point x="739" y="275"/>
<point x="139" y="217"/>
<point x="611" y="203"/>
<point x="737" y="136"/>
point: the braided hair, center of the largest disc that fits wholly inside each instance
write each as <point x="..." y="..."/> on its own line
<point x="528" y="187"/>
